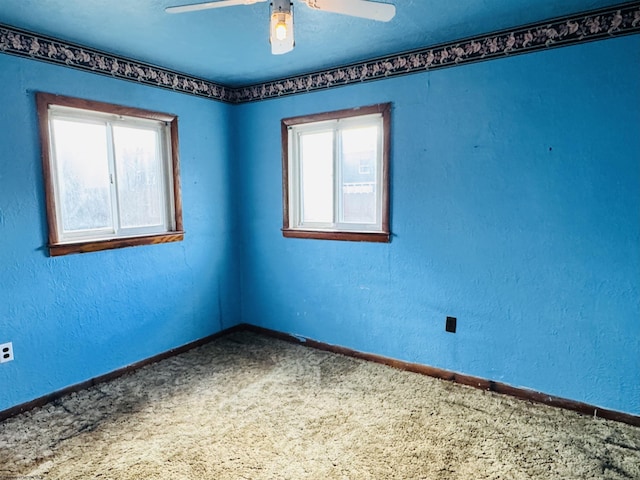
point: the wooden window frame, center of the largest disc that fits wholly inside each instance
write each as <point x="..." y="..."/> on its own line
<point x="55" y="245"/>
<point x="382" y="236"/>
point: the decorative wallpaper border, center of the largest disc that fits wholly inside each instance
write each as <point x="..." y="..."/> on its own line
<point x="608" y="22"/>
<point x="598" y="24"/>
<point x="31" y="45"/>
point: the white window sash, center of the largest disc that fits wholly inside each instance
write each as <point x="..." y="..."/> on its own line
<point x="295" y="176"/>
<point x="164" y="166"/>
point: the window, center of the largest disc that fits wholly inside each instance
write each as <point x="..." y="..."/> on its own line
<point x="336" y="175"/>
<point x="111" y="175"/>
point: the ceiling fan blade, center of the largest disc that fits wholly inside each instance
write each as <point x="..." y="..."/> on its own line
<point x="207" y="5"/>
<point x="382" y="12"/>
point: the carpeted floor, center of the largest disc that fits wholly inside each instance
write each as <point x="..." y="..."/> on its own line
<point x="250" y="407"/>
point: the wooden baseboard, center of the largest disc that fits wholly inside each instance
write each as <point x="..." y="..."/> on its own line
<point x="480" y="383"/>
<point x="39" y="402"/>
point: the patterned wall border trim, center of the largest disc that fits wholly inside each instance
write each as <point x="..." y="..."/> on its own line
<point x="569" y="30"/>
<point x="38" y="47"/>
<point x="608" y="22"/>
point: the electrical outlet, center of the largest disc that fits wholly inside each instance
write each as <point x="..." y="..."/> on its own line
<point x="451" y="324"/>
<point x="6" y="352"/>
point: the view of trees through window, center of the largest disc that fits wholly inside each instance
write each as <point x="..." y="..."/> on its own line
<point x="85" y="183"/>
<point x="138" y="166"/>
<point x="84" y="186"/>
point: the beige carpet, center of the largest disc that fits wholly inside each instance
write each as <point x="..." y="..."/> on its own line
<point x="250" y="407"/>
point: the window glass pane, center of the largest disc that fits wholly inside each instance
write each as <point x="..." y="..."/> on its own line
<point x="139" y="177"/>
<point x="359" y="165"/>
<point x="83" y="175"/>
<point x="316" y="164"/>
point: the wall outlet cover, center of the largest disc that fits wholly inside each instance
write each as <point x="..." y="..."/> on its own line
<point x="6" y="352"/>
<point x="451" y="324"/>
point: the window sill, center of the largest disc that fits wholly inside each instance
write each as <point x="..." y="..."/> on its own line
<point x="58" y="249"/>
<point x="377" y="237"/>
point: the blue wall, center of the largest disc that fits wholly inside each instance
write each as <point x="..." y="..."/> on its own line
<point x="515" y="207"/>
<point x="75" y="317"/>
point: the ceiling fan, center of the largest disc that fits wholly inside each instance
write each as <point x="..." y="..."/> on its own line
<point x="281" y="25"/>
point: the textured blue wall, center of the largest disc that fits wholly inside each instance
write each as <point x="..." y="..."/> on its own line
<point x="515" y="207"/>
<point x="75" y="317"/>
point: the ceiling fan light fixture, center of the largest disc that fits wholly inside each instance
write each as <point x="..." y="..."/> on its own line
<point x="281" y="28"/>
<point x="281" y="14"/>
